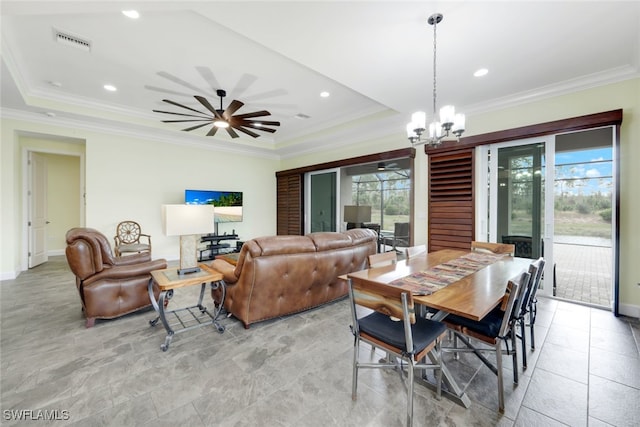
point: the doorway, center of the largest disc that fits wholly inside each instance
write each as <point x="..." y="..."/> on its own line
<point x="64" y="188"/>
<point x="553" y="196"/>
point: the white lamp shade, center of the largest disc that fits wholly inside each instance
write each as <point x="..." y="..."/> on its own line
<point x="435" y="130"/>
<point x="419" y="119"/>
<point x="182" y="220"/>
<point x="411" y="133"/>
<point x="458" y="123"/>
<point x="447" y="114"/>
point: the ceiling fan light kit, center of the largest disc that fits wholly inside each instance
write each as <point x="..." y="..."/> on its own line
<point x="450" y="122"/>
<point x="221" y="118"/>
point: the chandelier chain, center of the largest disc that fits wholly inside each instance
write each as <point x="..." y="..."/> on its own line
<point x="435" y="24"/>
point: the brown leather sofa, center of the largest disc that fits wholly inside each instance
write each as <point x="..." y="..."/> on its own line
<point x="279" y="275"/>
<point x="109" y="286"/>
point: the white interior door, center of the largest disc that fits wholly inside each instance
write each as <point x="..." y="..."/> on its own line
<point x="37" y="200"/>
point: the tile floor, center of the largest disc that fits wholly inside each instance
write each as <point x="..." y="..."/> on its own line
<point x="294" y="371"/>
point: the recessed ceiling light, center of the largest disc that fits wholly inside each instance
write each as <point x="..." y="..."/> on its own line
<point x="325" y="94"/>
<point x="133" y="14"/>
<point x="481" y="72"/>
<point x="110" y="88"/>
<point x="50" y="113"/>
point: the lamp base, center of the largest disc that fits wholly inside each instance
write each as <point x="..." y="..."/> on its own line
<point x="188" y="257"/>
<point x="183" y="271"/>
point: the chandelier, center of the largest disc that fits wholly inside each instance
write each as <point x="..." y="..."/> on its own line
<point x="450" y="122"/>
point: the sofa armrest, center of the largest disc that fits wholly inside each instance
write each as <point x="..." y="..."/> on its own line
<point x="227" y="270"/>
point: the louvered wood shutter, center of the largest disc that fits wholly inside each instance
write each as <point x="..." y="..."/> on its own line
<point x="289" y="205"/>
<point x="451" y="202"/>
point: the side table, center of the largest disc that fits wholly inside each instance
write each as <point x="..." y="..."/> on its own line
<point x="187" y="318"/>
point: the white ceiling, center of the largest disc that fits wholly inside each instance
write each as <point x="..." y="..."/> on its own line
<point x="374" y="57"/>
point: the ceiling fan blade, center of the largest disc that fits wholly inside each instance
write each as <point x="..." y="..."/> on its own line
<point x="232" y="132"/>
<point x="168" y="101"/>
<point x="208" y="76"/>
<point x="254" y="114"/>
<point x="179" y="81"/>
<point x="186" y="120"/>
<point x="232" y="108"/>
<point x="253" y="125"/>
<point x="195" y="127"/>
<point x="212" y="131"/>
<point x="181" y="114"/>
<point x="264" y="122"/>
<point x="202" y="100"/>
<point x="248" y="132"/>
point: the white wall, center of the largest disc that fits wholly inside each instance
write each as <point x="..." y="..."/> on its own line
<point x="130" y="178"/>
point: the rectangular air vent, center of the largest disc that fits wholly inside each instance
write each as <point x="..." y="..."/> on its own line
<point x="68" y="39"/>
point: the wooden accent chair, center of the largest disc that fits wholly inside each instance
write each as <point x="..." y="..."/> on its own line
<point x="129" y="238"/>
<point x="410" y="338"/>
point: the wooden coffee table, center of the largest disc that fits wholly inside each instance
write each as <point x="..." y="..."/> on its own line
<point x="187" y="318"/>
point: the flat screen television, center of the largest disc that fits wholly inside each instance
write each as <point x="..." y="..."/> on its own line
<point x="227" y="205"/>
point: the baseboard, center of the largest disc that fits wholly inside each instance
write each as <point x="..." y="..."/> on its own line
<point x="630" y="310"/>
<point x="8" y="275"/>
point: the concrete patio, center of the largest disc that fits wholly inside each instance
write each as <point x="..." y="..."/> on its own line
<point x="583" y="270"/>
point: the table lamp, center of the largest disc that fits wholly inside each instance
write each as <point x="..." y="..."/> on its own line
<point x="356" y="216"/>
<point x="188" y="221"/>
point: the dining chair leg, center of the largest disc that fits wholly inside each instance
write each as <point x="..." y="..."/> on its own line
<point x="499" y="375"/>
<point x="523" y="338"/>
<point x="514" y="354"/>
<point x="410" y="375"/>
<point x="354" y="380"/>
<point x="439" y="371"/>
<point x="532" y="320"/>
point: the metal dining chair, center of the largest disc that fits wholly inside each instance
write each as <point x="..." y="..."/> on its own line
<point x="382" y="259"/>
<point x="414" y="251"/>
<point x="410" y="338"/>
<point x="493" y="329"/>
<point x="529" y="307"/>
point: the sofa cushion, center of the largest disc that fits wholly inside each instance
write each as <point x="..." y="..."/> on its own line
<point x="278" y="245"/>
<point x="326" y="240"/>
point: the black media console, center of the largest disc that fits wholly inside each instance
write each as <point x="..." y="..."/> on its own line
<point x="215" y="247"/>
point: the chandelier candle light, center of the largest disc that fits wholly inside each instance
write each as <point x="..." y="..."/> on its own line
<point x="449" y="120"/>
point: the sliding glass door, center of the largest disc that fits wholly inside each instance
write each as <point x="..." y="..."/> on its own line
<point x="553" y="197"/>
<point x="321" y="201"/>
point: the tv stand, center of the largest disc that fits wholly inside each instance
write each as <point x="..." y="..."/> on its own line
<point x="215" y="247"/>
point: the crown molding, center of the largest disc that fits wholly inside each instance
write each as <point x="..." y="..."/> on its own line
<point x="148" y="134"/>
<point x="590" y="81"/>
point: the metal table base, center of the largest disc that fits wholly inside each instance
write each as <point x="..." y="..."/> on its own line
<point x="186" y="318"/>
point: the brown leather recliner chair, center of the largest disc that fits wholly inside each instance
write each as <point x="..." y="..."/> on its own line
<point x="109" y="286"/>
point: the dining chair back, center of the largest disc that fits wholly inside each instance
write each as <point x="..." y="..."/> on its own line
<point x="496" y="248"/>
<point x="383" y="259"/>
<point x="414" y="251"/>
<point x="529" y="306"/>
<point x="493" y="329"/>
<point x="394" y="327"/>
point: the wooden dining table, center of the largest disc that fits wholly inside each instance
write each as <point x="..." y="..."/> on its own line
<point x="472" y="296"/>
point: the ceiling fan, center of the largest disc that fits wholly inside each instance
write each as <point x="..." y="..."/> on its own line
<point x="221" y="118"/>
